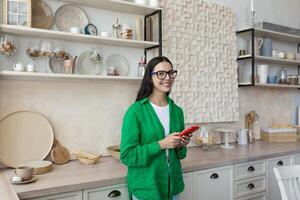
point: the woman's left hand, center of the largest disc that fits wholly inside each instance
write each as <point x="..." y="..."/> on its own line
<point x="184" y="140"/>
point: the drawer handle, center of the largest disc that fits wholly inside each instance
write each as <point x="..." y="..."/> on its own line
<point x="251" y="169"/>
<point x="214" y="176"/>
<point x="251" y="186"/>
<point x="280" y="163"/>
<point x="114" y="193"/>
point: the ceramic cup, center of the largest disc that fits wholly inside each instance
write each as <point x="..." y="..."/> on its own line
<point x="18" y="67"/>
<point x="25" y="172"/>
<point x="104" y="34"/>
<point x="69" y="66"/>
<point x="75" y="30"/>
<point x="30" y="67"/>
<point x="242" y="137"/>
<point x="262" y="73"/>
<point x="281" y="54"/>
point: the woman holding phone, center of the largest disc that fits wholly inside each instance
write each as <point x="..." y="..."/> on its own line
<point x="150" y="145"/>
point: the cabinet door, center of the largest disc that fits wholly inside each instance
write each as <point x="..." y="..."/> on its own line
<point x="63" y="196"/>
<point x="214" y="184"/>
<point x="115" y="192"/>
<point x="188" y="193"/>
<point x="260" y="196"/>
<point x="297" y="159"/>
<point x="274" y="192"/>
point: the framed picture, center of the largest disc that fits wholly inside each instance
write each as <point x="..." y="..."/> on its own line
<point x="17" y="12"/>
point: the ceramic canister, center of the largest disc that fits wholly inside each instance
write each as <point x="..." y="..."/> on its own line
<point x="266" y="49"/>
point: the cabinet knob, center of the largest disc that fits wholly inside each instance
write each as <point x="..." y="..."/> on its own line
<point x="114" y="193"/>
<point x="280" y="163"/>
<point x="214" y="176"/>
<point x="251" y="169"/>
<point x="251" y="186"/>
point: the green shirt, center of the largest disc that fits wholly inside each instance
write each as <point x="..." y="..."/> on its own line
<point x="148" y="171"/>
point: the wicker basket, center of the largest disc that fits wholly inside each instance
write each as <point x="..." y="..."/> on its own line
<point x="279" y="135"/>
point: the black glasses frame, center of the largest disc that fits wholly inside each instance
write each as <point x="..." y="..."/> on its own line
<point x="173" y="72"/>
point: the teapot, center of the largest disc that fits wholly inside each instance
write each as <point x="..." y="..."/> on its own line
<point x="69" y="65"/>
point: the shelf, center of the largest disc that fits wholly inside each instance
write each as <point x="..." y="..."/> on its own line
<point x="277" y="85"/>
<point x="284" y="37"/>
<point x="66" y="36"/>
<point x="271" y="60"/>
<point x="11" y="75"/>
<point x="117" y="5"/>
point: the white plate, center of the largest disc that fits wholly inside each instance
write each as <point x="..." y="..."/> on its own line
<point x="119" y="62"/>
<point x="89" y="63"/>
<point x="68" y="16"/>
<point x="24" y="137"/>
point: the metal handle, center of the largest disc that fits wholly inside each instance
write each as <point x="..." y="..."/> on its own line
<point x="280" y="163"/>
<point x="214" y="176"/>
<point x="251" y="169"/>
<point x="251" y="186"/>
<point x="114" y="193"/>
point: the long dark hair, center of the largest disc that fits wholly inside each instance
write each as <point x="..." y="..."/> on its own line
<point x="147" y="84"/>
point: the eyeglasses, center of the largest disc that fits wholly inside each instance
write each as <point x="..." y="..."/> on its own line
<point x="161" y="75"/>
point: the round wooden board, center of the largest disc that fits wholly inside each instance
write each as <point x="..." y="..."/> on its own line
<point x="59" y="154"/>
<point x="40" y="167"/>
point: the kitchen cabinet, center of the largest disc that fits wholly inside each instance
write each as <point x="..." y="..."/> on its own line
<point x="116" y="192"/>
<point x="297" y="159"/>
<point x="259" y="196"/>
<point x="77" y="195"/>
<point x="188" y="193"/>
<point x="274" y="192"/>
<point x="214" y="184"/>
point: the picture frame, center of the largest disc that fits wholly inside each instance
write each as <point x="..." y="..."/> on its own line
<point x="17" y="12"/>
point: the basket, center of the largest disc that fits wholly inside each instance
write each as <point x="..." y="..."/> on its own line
<point x="86" y="158"/>
<point x="114" y="151"/>
<point x="279" y="135"/>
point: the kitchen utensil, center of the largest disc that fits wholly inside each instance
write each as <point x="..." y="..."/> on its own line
<point x="119" y="63"/>
<point x="34" y="178"/>
<point x="30" y="67"/>
<point x="24" y="137"/>
<point x="226" y="132"/>
<point x="69" y="15"/>
<point x="25" y="172"/>
<point x="266" y="49"/>
<point x="69" y="65"/>
<point x="59" y="154"/>
<point x="42" y="16"/>
<point x="40" y="167"/>
<point x="282" y="76"/>
<point x="258" y="42"/>
<point x="19" y="67"/>
<point x="262" y="73"/>
<point x="56" y="62"/>
<point x="90" y="62"/>
<point x="251" y="119"/>
<point x="114" y="151"/>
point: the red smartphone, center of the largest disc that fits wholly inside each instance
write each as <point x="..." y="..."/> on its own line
<point x="189" y="130"/>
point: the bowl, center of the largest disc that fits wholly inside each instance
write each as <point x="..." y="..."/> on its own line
<point x="114" y="151"/>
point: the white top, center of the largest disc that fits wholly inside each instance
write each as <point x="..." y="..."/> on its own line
<point x="164" y="118"/>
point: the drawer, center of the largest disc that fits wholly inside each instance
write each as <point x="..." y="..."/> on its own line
<point x="77" y="195"/>
<point x="249" y="170"/>
<point x="280" y="161"/>
<point x="103" y="193"/>
<point x="260" y="196"/>
<point x="250" y="186"/>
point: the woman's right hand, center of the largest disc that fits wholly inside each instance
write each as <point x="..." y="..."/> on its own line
<point x="170" y="142"/>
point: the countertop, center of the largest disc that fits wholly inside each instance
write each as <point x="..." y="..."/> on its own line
<point x="75" y="176"/>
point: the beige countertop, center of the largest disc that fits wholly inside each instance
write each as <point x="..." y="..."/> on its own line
<point x="75" y="176"/>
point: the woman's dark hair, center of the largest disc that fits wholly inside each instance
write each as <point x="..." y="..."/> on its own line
<point x="147" y="84"/>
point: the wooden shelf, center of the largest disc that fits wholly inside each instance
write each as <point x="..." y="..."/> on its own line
<point x="117" y="5"/>
<point x="11" y="75"/>
<point x="66" y="36"/>
<point x="277" y="85"/>
<point x="284" y="37"/>
<point x="271" y="60"/>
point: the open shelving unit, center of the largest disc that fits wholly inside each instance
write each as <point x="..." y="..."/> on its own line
<point x="278" y="36"/>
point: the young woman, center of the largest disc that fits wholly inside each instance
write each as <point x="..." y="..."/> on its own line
<point x="150" y="145"/>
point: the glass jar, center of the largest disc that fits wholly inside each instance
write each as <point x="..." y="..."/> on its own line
<point x="116" y="30"/>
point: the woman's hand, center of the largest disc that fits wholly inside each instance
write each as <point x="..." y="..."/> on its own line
<point x="184" y="140"/>
<point x="170" y="142"/>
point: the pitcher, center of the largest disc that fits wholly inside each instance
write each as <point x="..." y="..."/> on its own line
<point x="258" y="42"/>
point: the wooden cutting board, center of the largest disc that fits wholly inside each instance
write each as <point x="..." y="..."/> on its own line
<point x="40" y="167"/>
<point x="59" y="154"/>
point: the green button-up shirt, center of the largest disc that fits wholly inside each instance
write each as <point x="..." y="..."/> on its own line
<point x="148" y="172"/>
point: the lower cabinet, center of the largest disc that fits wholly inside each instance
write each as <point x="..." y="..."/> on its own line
<point x="259" y="196"/>
<point x="115" y="192"/>
<point x="77" y="195"/>
<point x="274" y="191"/>
<point x="188" y="193"/>
<point x="214" y="184"/>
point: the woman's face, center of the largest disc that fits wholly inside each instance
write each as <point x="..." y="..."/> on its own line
<point x="160" y="77"/>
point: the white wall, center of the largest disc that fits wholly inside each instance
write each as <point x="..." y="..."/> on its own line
<point x="88" y="116"/>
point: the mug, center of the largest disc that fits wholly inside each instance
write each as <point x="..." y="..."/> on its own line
<point x="25" y="172"/>
<point x="75" y="30"/>
<point x="69" y="66"/>
<point x="242" y="137"/>
<point x="258" y="42"/>
<point x="30" y="68"/>
<point x="18" y="67"/>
